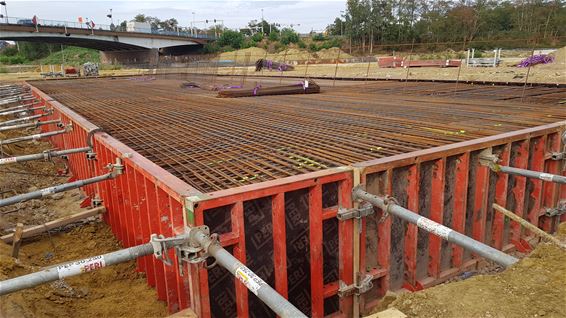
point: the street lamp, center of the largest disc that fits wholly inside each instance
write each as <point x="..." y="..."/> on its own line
<point x="341" y="25"/>
<point x="262" y="31"/>
<point x="3" y="3"/>
<point x="193" y="25"/>
<point x="111" y="20"/>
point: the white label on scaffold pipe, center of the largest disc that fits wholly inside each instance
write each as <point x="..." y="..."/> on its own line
<point x="82" y="266"/>
<point x="546" y="177"/>
<point x="251" y="280"/>
<point x="47" y="191"/>
<point x="4" y="161"/>
<point x="433" y="227"/>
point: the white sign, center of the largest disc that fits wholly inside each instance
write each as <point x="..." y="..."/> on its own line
<point x="433" y="227"/>
<point x="82" y="266"/>
<point x="7" y="160"/>
<point x="251" y="280"/>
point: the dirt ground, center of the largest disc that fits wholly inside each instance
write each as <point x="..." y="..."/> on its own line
<point x="534" y="287"/>
<point x="554" y="73"/>
<point x="116" y="291"/>
<point x="538" y="74"/>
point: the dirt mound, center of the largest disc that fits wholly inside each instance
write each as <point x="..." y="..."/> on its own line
<point x="241" y="56"/>
<point x="560" y="56"/>
<point x="115" y="291"/>
<point x="332" y="53"/>
<point x="534" y="287"/>
<point x="290" y="55"/>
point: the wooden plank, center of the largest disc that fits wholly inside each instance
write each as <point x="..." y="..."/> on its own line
<point x="38" y="229"/>
<point x="17" y="240"/>
<point x="316" y="260"/>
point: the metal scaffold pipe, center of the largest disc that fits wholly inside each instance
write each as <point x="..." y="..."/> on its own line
<point x="15" y="98"/>
<point x="532" y="174"/>
<point x="390" y="207"/>
<point x="34" y="137"/>
<point x="23" y="110"/>
<point x="488" y="159"/>
<point x="17" y="120"/>
<point x="74" y="268"/>
<point x="116" y="169"/>
<point x="188" y="244"/>
<point x="46" y="155"/>
<point x="281" y="306"/>
<point x="3" y="110"/>
<point x="35" y="124"/>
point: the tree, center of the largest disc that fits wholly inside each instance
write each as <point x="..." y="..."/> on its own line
<point x="156" y="24"/>
<point x="336" y="28"/>
<point x="255" y="26"/>
<point x="405" y="21"/>
<point x="288" y="36"/>
<point x="234" y="39"/>
<point x="35" y="50"/>
<point x="168" y="25"/>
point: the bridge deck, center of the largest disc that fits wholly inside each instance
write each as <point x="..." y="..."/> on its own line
<point x="215" y="143"/>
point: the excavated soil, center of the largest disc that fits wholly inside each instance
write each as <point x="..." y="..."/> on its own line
<point x="115" y="291"/>
<point x="534" y="287"/>
<point x="30" y="176"/>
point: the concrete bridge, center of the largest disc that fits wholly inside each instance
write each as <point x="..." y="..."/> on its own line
<point x="115" y="46"/>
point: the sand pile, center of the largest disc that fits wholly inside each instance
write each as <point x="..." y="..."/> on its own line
<point x="332" y="53"/>
<point x="560" y="56"/>
<point x="534" y="287"/>
<point x="290" y="55"/>
<point x="241" y="56"/>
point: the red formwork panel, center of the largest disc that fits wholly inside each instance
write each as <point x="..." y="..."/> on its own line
<point x="144" y="200"/>
<point x="447" y="184"/>
<point x="286" y="231"/>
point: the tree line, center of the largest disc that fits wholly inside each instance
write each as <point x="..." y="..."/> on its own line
<point x="369" y="23"/>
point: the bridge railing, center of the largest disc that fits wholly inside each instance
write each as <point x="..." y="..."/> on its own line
<point x="180" y="31"/>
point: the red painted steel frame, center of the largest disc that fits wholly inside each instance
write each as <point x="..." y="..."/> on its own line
<point x="147" y="199"/>
<point x="234" y="198"/>
<point x="532" y="148"/>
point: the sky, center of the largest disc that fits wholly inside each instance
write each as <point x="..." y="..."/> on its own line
<point x="310" y="14"/>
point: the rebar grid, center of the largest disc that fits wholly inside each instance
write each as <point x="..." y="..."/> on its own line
<point x="215" y="144"/>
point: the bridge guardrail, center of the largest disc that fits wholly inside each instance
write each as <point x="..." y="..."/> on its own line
<point x="181" y="31"/>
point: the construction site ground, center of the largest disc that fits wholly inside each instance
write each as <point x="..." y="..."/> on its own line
<point x="534" y="287"/>
<point x="117" y="291"/>
<point x="323" y="64"/>
<point x="538" y="74"/>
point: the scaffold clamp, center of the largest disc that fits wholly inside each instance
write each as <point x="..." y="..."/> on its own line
<point x="363" y="210"/>
<point x="160" y="248"/>
<point x="558" y="210"/>
<point x="363" y="285"/>
<point x="194" y="253"/>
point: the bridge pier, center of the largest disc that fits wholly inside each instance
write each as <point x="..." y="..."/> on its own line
<point x="130" y="57"/>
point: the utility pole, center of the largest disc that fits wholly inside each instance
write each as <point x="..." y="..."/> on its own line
<point x="341" y="24"/>
<point x="3" y="3"/>
<point x="262" y="31"/>
<point x="111" y="20"/>
<point x="193" y="25"/>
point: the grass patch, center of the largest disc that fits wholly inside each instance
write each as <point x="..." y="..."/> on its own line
<point x="71" y="55"/>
